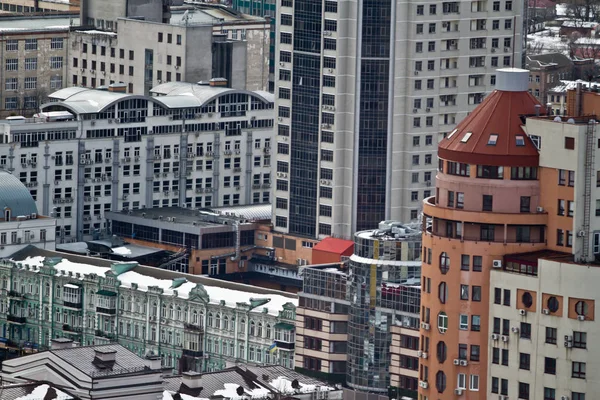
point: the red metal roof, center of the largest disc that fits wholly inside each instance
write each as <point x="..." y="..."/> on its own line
<point x="334" y="245"/>
<point x="499" y="114"/>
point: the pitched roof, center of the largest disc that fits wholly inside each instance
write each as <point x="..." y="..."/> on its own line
<point x="33" y="390"/>
<point x="499" y="114"/>
<point x="83" y="358"/>
<point x="548" y="59"/>
<point x="334" y="245"/>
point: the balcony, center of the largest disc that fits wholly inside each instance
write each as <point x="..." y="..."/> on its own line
<point x="16" y="319"/>
<point x="105" y="335"/>
<point x="194" y="328"/>
<point x="192" y="353"/>
<point x="14" y="295"/>
<point x="106" y="311"/>
<point x="74" y="330"/>
<point x="72" y="305"/>
<point x="284" y="345"/>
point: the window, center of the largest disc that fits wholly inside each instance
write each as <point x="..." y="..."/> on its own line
<point x="462" y="382"/>
<point x="551" y="334"/>
<point x="550" y="365"/>
<point x="443" y="292"/>
<point x="476" y="293"/>
<point x="12" y="64"/>
<point x="463" y="322"/>
<point x="464" y="262"/>
<point x="525" y="204"/>
<point x="524" y="361"/>
<point x="580" y="340"/>
<point x="523" y="391"/>
<point x="487" y="202"/>
<point x="442" y="352"/>
<point x="561" y="207"/>
<point x="569" y="143"/>
<point x="442" y="322"/>
<point x="477" y="263"/>
<point x="56" y="62"/>
<point x="497" y="296"/>
<point x="577" y="396"/>
<point x="578" y="370"/>
<point x="562" y="177"/>
<point x="525" y="331"/>
<point x="475" y="323"/>
<point x="464" y="292"/>
<point x="475" y="352"/>
<point x="474" y="385"/>
<point x="444" y="262"/>
<point x="440" y="381"/>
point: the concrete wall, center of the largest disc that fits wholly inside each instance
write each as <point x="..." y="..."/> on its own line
<point x="573" y="283"/>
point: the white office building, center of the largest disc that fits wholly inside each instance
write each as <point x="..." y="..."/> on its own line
<point x="364" y="92"/>
<point x="189" y="145"/>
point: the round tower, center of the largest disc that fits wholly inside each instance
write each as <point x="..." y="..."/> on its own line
<point x="485" y="206"/>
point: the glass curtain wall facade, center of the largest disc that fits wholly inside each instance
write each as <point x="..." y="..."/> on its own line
<point x="383" y="290"/>
<point x="373" y="126"/>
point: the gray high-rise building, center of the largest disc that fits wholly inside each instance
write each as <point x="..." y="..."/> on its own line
<point x="365" y="90"/>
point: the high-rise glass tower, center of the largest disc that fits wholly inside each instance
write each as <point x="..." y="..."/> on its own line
<point x="365" y="89"/>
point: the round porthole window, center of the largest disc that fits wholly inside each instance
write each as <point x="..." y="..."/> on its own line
<point x="581" y="308"/>
<point x="527" y="299"/>
<point x="553" y="304"/>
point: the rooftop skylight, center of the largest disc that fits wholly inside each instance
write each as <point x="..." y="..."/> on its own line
<point x="493" y="139"/>
<point x="466" y="138"/>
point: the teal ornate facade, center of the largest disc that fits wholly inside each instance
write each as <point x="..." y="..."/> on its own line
<point x="186" y="323"/>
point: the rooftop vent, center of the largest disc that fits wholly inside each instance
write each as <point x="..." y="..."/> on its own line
<point x="512" y="80"/>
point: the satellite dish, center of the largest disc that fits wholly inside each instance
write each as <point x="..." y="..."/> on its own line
<point x="557" y="119"/>
<point x="239" y="390"/>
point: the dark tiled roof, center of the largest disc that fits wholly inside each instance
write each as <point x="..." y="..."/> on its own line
<point x="84" y="359"/>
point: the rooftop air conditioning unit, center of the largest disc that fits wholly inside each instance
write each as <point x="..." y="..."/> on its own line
<point x="497" y="264"/>
<point x="522" y="312"/>
<point x="514" y="329"/>
<point x="546" y="311"/>
<point x="463" y="363"/>
<point x="457" y="362"/>
<point x="504" y="339"/>
<point x="495" y="336"/>
<point x="540" y="209"/>
<point x="581" y="317"/>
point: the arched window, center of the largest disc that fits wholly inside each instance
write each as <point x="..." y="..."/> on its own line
<point x="163" y="310"/>
<point x="218" y="321"/>
<point x="443" y="292"/>
<point x="268" y="331"/>
<point x="259" y="332"/>
<point x="57" y="294"/>
<point x="252" y="328"/>
<point x="444" y="262"/>
<point x="46" y="287"/>
<point x="195" y="317"/>
<point x="209" y="321"/>
<point x="179" y="315"/>
<point x="442" y="352"/>
<point x="442" y="322"/>
<point x="440" y="381"/>
<point x="242" y="325"/>
<point x="154" y="310"/>
<point x="226" y="322"/>
<point x="128" y="304"/>
<point x="171" y="312"/>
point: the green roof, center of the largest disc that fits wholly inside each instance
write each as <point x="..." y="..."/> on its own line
<point x="106" y="293"/>
<point x="285" y="326"/>
<point x="15" y="196"/>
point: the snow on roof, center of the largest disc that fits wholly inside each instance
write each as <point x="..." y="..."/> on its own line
<point x="546" y="41"/>
<point x="216" y="294"/>
<point x="568" y="85"/>
<point x="123" y="251"/>
<point x="284" y="385"/>
<point x="579" y="24"/>
<point x="40" y="393"/>
<point x="230" y="392"/>
<point x="168" y="396"/>
<point x="95" y="32"/>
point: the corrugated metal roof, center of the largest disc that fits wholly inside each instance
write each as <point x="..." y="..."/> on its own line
<point x="183" y="93"/>
<point x="257" y="212"/>
<point x="14" y="195"/>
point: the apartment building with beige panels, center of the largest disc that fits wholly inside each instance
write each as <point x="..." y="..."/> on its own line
<point x="34" y="56"/>
<point x="404" y="368"/>
<point x="195" y="45"/>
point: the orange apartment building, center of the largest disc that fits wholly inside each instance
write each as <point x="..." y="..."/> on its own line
<point x="508" y="242"/>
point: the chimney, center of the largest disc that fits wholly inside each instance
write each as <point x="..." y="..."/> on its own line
<point x="61" y="343"/>
<point x="578" y="95"/>
<point x="105" y="355"/>
<point x="537" y="110"/>
<point x="192" y="379"/>
<point x="154" y="362"/>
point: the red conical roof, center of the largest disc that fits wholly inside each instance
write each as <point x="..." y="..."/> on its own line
<point x="472" y="141"/>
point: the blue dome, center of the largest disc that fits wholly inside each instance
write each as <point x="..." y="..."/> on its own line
<point x="14" y="195"/>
